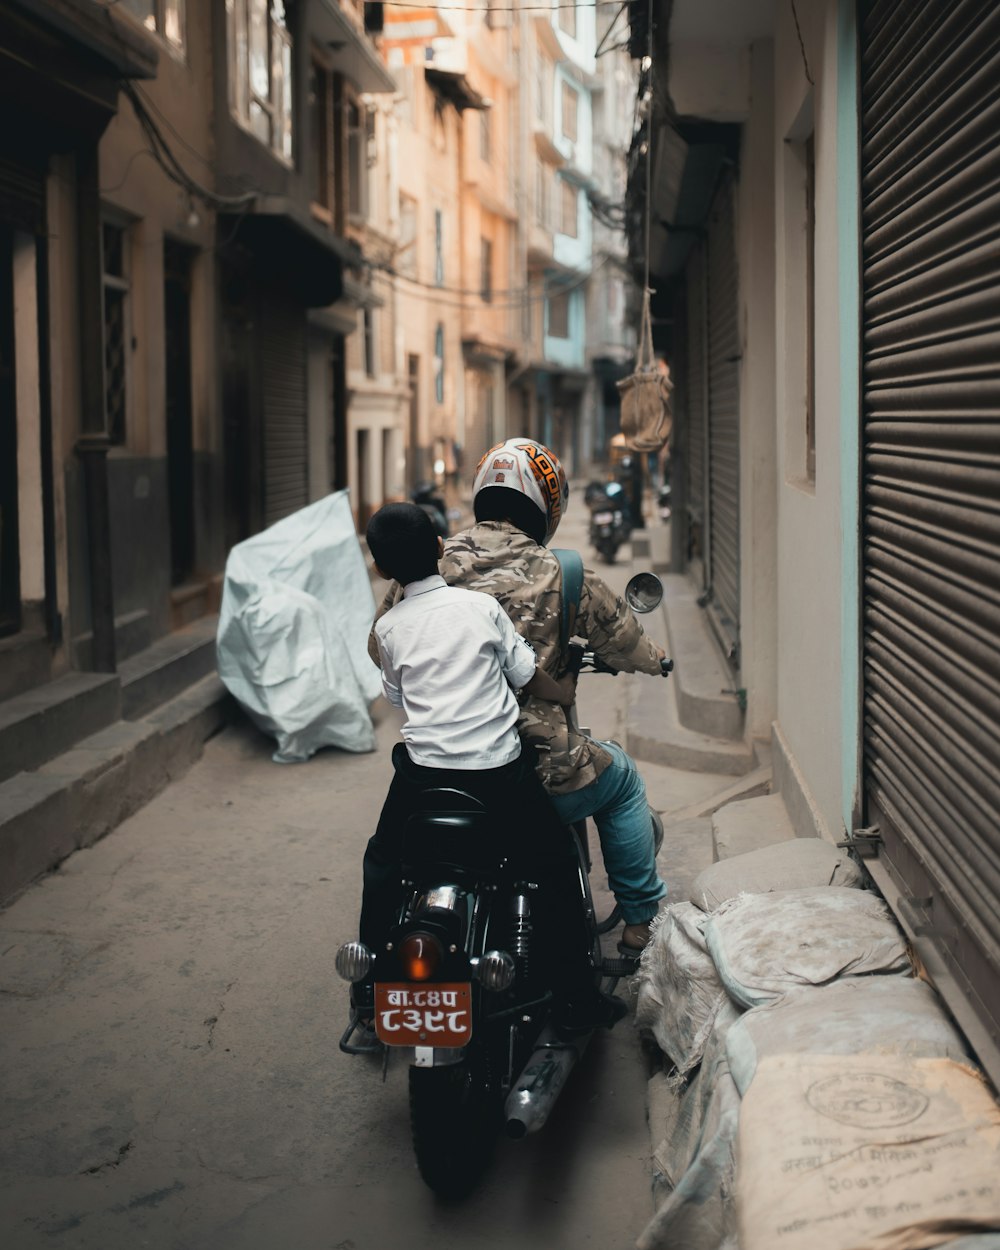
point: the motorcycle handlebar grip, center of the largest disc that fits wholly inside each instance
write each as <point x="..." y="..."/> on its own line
<point x="666" y="667"/>
<point x="575" y="658"/>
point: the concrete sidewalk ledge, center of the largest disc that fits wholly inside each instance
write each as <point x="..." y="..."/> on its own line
<point x="83" y="794"/>
<point x="706" y="702"/>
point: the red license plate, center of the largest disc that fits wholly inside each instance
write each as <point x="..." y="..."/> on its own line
<point x="423" y="1015"/>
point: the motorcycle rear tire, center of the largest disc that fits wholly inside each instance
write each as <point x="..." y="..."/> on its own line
<point x="455" y="1118"/>
<point x="607" y="551"/>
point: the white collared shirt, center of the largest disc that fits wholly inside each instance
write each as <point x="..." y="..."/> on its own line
<point x="451" y="659"/>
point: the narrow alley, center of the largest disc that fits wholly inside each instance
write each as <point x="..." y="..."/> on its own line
<point x="169" y="1019"/>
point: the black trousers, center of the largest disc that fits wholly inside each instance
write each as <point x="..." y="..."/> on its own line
<point x="533" y="835"/>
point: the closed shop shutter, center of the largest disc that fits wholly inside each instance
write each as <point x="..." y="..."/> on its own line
<point x="930" y="168"/>
<point x="22" y="196"/>
<point x="285" y="414"/>
<point x="697" y="390"/>
<point x="724" y="420"/>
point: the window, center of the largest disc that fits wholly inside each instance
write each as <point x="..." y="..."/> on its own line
<point x="559" y="316"/>
<point x="542" y="194"/>
<point x="165" y="17"/>
<point x="406" y="253"/>
<point x="362" y="151"/>
<point x="438" y="248"/>
<point x="115" y="266"/>
<point x="439" y="363"/>
<point x="321" y="135"/>
<point x="260" y="71"/>
<point x="486" y="269"/>
<point x="541" y="87"/>
<point x="570" y="101"/>
<point x="568" y="221"/>
<point x="567" y="18"/>
<point x="371" y="359"/>
<point x="484" y="134"/>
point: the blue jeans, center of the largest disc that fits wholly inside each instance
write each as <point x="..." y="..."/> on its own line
<point x="617" y="802"/>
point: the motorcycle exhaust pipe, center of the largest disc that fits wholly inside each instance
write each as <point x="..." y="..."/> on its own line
<point x="534" y="1095"/>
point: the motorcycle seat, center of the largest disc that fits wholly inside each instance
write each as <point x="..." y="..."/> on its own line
<point x="453" y="829"/>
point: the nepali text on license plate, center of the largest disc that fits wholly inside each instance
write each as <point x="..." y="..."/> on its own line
<point x="604" y="518"/>
<point x="423" y="1015"/>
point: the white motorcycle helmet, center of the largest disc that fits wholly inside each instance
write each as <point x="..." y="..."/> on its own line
<point x="522" y="481"/>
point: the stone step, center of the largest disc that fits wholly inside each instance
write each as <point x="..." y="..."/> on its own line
<point x="706" y="701"/>
<point x="25" y="661"/>
<point x="749" y="824"/>
<point x="168" y="666"/>
<point x="41" y="723"/>
<point x="654" y="730"/>
<point x="76" y="798"/>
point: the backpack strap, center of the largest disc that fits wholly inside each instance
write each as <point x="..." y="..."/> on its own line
<point x="571" y="564"/>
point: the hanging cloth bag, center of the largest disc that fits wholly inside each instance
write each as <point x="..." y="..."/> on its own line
<point x="645" y="394"/>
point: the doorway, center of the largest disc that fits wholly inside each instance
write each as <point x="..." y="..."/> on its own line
<point x="177" y="266"/>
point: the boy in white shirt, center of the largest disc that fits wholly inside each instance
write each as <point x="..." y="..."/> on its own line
<point x="452" y="660"/>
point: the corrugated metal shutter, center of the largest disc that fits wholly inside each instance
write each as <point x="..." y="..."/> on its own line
<point x="22" y="196"/>
<point x="724" y="419"/>
<point x="696" y="388"/>
<point x="285" y="415"/>
<point x="931" y="475"/>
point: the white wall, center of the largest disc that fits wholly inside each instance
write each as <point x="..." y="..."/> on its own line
<point x="809" y="512"/>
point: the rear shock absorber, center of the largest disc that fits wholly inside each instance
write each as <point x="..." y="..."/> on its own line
<point x="521" y="929"/>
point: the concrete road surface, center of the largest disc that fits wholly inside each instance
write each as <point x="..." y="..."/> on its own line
<point x="169" y="1019"/>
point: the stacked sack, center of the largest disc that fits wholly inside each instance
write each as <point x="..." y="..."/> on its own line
<point x="818" y="1097"/>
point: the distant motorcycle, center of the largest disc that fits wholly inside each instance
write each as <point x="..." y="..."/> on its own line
<point x="609" y="521"/>
<point x="425" y="496"/>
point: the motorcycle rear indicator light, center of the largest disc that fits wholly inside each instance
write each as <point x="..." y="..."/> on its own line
<point x="354" y="961"/>
<point x="420" y="956"/>
<point x="495" y="971"/>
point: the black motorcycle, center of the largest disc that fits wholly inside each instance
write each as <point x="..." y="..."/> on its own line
<point x="461" y="986"/>
<point x="609" y="521"/>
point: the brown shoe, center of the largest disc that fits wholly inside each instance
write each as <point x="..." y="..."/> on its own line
<point x="635" y="937"/>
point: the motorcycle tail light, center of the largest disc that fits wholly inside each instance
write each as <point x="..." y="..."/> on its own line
<point x="353" y="961"/>
<point x="495" y="970"/>
<point x="420" y="955"/>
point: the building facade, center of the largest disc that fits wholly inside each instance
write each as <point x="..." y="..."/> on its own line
<point x="827" y="181"/>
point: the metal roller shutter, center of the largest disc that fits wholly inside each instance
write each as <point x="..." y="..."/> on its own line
<point x="697" y="389"/>
<point x="22" y="196"/>
<point x="724" y="420"/>
<point x="283" y="393"/>
<point x="930" y="166"/>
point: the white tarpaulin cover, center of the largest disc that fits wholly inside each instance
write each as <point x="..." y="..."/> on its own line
<point x="297" y="606"/>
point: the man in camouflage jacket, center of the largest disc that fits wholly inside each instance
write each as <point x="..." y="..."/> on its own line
<point x="583" y="777"/>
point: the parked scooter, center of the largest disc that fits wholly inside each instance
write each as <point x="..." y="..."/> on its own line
<point x="610" y="523"/>
<point x="425" y="496"/>
<point x="460" y="985"/>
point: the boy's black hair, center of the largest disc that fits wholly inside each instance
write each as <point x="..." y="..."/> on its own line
<point x="500" y="503"/>
<point x="403" y="542"/>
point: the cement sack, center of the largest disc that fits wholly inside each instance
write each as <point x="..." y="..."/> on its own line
<point x="297" y="606"/>
<point x="791" y="865"/>
<point x="679" y="991"/>
<point x="694" y="1166"/>
<point x="874" y="1153"/>
<point x="859" y="1015"/>
<point x="765" y="945"/>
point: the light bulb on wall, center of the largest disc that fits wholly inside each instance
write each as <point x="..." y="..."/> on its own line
<point x="192" y="221"/>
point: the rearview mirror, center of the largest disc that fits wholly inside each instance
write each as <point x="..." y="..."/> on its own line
<point x="644" y="592"/>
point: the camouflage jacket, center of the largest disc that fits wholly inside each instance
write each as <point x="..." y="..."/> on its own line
<point x="496" y="557"/>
